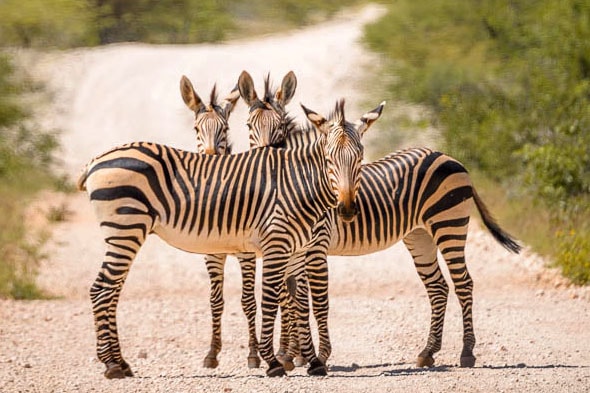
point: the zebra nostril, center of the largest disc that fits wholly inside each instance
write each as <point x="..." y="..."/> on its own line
<point x="347" y="214"/>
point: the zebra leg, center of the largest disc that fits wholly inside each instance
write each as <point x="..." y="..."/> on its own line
<point x="215" y="267"/>
<point x="453" y="251"/>
<point x="248" y="266"/>
<point x="104" y="295"/>
<point x="285" y="327"/>
<point x="288" y="342"/>
<point x="317" y="276"/>
<point x="297" y="286"/>
<point x="303" y="332"/>
<point x="423" y="251"/>
<point x="272" y="279"/>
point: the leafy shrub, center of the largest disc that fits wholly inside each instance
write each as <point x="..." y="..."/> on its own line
<point x="37" y="23"/>
<point x="25" y="160"/>
<point x="508" y="84"/>
<point x="573" y="254"/>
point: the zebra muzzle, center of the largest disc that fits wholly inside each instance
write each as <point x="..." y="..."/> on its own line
<point x="347" y="213"/>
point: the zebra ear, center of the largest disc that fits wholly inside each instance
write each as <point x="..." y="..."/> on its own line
<point x="229" y="102"/>
<point x="190" y="97"/>
<point x="316" y="119"/>
<point x="369" y="118"/>
<point x="287" y="90"/>
<point x="246" y="87"/>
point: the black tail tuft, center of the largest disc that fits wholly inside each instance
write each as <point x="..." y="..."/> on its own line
<point x="507" y="241"/>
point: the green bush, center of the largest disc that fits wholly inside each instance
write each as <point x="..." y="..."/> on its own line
<point x="25" y="169"/>
<point x="37" y="23"/>
<point x="508" y="84"/>
<point x="573" y="256"/>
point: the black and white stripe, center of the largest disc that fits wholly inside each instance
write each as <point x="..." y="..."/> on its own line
<point x="420" y="196"/>
<point x="211" y="127"/>
<point x="270" y="201"/>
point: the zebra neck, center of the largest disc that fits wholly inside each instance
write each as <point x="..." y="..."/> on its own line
<point x="306" y="175"/>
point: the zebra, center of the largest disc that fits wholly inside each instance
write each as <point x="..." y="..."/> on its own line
<point x="267" y="200"/>
<point x="212" y="138"/>
<point x="211" y="129"/>
<point x="417" y="195"/>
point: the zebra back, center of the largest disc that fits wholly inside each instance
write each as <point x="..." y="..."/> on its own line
<point x="389" y="189"/>
<point x="189" y="195"/>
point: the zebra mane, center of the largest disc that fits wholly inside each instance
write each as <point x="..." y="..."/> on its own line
<point x="213" y="97"/>
<point x="309" y="132"/>
<point x="268" y="94"/>
<point x="338" y="112"/>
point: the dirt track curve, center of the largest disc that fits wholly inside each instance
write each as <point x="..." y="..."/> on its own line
<point x="532" y="328"/>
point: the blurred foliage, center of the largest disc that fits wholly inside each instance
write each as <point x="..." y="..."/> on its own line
<point x="25" y="160"/>
<point x="508" y="84"/>
<point x="72" y="23"/>
<point x="162" y="21"/>
<point x="37" y="23"/>
<point x="26" y="151"/>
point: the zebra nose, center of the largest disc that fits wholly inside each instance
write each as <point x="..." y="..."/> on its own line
<point x="211" y="151"/>
<point x="347" y="213"/>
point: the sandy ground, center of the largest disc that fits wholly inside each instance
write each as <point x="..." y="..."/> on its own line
<point x="532" y="327"/>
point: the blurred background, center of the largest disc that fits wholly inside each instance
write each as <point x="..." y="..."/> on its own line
<point x="503" y="86"/>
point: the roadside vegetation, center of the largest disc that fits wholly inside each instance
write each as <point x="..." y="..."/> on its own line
<point x="508" y="85"/>
<point x="27" y="152"/>
<point x="25" y="169"/>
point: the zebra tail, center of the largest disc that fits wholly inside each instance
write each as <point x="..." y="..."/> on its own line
<point x="501" y="236"/>
<point x="81" y="183"/>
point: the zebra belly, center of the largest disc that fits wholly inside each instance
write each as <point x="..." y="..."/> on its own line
<point x="213" y="243"/>
<point x="350" y="240"/>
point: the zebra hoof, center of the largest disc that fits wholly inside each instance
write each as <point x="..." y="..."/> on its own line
<point x="114" y="371"/>
<point x="210" y="362"/>
<point x="286" y="361"/>
<point x="126" y="369"/>
<point x="424" y="361"/>
<point x="467" y="361"/>
<point x="253" y="362"/>
<point x="299" y="361"/>
<point x="317" y="368"/>
<point x="275" y="369"/>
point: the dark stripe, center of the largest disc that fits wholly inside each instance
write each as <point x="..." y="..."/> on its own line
<point x="220" y="178"/>
<point x="440" y="174"/>
<point x="241" y="173"/>
<point x="456" y="223"/>
<point x="142" y="168"/>
<point x="115" y="225"/>
<point x="118" y="256"/>
<point x="421" y="174"/>
<point x="447" y="201"/>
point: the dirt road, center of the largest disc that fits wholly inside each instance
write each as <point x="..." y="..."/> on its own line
<point x="532" y="328"/>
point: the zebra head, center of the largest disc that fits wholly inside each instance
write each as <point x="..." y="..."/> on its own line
<point x="211" y="121"/>
<point x="268" y="122"/>
<point x="344" y="154"/>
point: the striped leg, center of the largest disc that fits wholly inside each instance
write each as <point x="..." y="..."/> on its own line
<point x="303" y="331"/>
<point x="423" y="251"/>
<point x="273" y="270"/>
<point x="289" y="353"/>
<point x="248" y="266"/>
<point x="317" y="274"/>
<point x="316" y="269"/>
<point x="452" y="248"/>
<point x="215" y="267"/>
<point x="300" y="335"/>
<point x="122" y="244"/>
